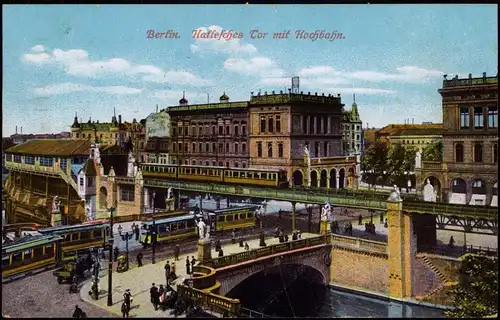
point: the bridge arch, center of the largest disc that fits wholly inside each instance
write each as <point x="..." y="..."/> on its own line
<point x="478" y="192"/>
<point x="298" y="178"/>
<point x="333" y="178"/>
<point x="314" y="178"/>
<point x="458" y="188"/>
<point x="323" y="179"/>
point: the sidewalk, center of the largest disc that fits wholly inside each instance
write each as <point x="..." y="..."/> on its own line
<point x="140" y="279"/>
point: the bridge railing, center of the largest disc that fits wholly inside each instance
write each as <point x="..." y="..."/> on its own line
<point x="358" y="243"/>
<point x="203" y="277"/>
<point x="457" y="251"/>
<point x="210" y="301"/>
<point x="450" y="209"/>
<point x="233" y="259"/>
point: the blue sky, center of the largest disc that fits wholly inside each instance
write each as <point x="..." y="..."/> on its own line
<point x="58" y="60"/>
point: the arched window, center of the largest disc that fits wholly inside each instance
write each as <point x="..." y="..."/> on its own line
<point x="459" y="153"/>
<point x="478" y="152"/>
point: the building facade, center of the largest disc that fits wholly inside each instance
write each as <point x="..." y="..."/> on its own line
<point x="106" y="133"/>
<point x="213" y="134"/>
<point x="157" y="138"/>
<point x="468" y="173"/>
<point x="284" y="125"/>
<point x="352" y="131"/>
<point x="418" y="138"/>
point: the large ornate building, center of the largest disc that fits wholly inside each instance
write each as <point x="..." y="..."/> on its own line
<point x="468" y="173"/>
<point x="352" y="131"/>
<point x="417" y="137"/>
<point x="214" y="134"/>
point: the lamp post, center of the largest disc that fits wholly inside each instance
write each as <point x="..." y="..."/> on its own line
<point x="95" y="288"/>
<point x="110" y="263"/>
<point x="153" y="233"/>
<point x="126" y="237"/>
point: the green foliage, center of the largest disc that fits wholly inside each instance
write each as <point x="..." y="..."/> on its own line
<point x="433" y="152"/>
<point x="375" y="158"/>
<point x="477" y="295"/>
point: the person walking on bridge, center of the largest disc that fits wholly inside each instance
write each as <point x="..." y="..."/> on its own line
<point x="177" y="251"/>
<point x="167" y="272"/>
<point x="188" y="266"/>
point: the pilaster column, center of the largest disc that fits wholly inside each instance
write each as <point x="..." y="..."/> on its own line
<point x="315" y="129"/>
<point x="308" y="125"/>
<point x="329" y="125"/>
<point x="337" y="186"/>
<point x="293" y="215"/>
<point x="401" y="248"/>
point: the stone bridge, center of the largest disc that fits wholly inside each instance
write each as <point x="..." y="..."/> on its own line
<point x="317" y="257"/>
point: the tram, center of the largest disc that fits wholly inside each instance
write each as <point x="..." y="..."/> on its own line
<point x="79" y="239"/>
<point x="168" y="229"/>
<point x="29" y="255"/>
<point x="235" y="218"/>
<point x="241" y="176"/>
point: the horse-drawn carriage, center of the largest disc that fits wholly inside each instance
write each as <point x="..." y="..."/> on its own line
<point x="68" y="272"/>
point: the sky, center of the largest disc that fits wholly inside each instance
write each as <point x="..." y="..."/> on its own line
<point x="59" y="60"/>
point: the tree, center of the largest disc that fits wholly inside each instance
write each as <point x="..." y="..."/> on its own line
<point x="375" y="159"/>
<point x="396" y="163"/>
<point x="477" y="294"/>
<point x="433" y="152"/>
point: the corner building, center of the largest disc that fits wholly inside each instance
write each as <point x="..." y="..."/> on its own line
<point x="281" y="125"/>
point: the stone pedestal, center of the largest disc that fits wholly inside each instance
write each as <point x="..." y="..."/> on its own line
<point x="56" y="219"/>
<point x="323" y="227"/>
<point x="204" y="250"/>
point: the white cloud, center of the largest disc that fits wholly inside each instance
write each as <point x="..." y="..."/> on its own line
<point x="65" y="88"/>
<point x="38" y="48"/>
<point x="326" y="71"/>
<point x="259" y="66"/>
<point x="409" y="74"/>
<point x="233" y="46"/>
<point x="76" y="62"/>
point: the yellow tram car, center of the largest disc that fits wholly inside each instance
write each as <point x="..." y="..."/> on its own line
<point x="260" y="177"/>
<point x="168" y="229"/>
<point x="79" y="238"/>
<point x="29" y="255"/>
<point x="235" y="218"/>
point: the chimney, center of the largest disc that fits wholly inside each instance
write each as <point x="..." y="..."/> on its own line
<point x="157" y="108"/>
<point x="21" y="130"/>
<point x="412" y="120"/>
<point x="119" y="118"/>
<point x="16" y="129"/>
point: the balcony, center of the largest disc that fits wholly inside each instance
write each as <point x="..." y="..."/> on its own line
<point x="432" y="165"/>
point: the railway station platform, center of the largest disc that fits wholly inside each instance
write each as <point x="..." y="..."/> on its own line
<point x="140" y="279"/>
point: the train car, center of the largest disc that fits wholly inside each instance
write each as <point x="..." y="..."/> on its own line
<point x="235" y="218"/>
<point x="156" y="170"/>
<point x="79" y="239"/>
<point x="260" y="177"/>
<point x="168" y="229"/>
<point x="29" y="255"/>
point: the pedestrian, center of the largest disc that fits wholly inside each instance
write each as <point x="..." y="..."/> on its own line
<point x="221" y="253"/>
<point x="247" y="247"/>
<point x="360" y="220"/>
<point x="139" y="259"/>
<point x="78" y="312"/>
<point x="299" y="235"/>
<point x="286" y="237"/>
<point x="193" y="262"/>
<point x="137" y="233"/>
<point x="294" y="235"/>
<point x="116" y="253"/>
<point x="153" y="293"/>
<point x="161" y="290"/>
<point x="188" y="266"/>
<point x="167" y="271"/>
<point x="133" y="226"/>
<point x="172" y="272"/>
<point x="125" y="310"/>
<point x="217" y="245"/>
<point x="233" y="237"/>
<point x="120" y="230"/>
<point x="241" y="242"/>
<point x="381" y="217"/>
<point x="127" y="297"/>
<point x="177" y="250"/>
<point x="452" y="242"/>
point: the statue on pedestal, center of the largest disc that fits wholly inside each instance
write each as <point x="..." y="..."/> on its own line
<point x="429" y="193"/>
<point x="326" y="213"/>
<point x="56" y="204"/>
<point x="418" y="160"/>
<point x="201" y="229"/>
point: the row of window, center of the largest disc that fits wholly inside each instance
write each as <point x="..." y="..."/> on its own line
<point x="416" y="142"/>
<point x="353" y="127"/>
<point x="478" y="152"/>
<point x="270" y="123"/>
<point x="101" y="136"/>
<point x="30" y="256"/>
<point x="270" y="149"/>
<point x="223" y="130"/>
<point x="214" y="163"/>
<point x="317" y="124"/>
<point x="198" y="147"/>
<point x="90" y="182"/>
<point x="478" y="119"/>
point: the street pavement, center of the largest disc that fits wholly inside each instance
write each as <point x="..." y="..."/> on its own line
<point x="140" y="279"/>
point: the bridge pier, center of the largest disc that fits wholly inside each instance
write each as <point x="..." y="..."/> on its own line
<point x="401" y="248"/>
<point x="425" y="229"/>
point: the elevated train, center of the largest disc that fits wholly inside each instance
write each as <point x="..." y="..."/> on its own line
<point x="52" y="247"/>
<point x="260" y="177"/>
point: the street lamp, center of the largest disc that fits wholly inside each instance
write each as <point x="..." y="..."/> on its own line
<point x="110" y="263"/>
<point x="95" y="288"/>
<point x="126" y="237"/>
<point x="153" y="233"/>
